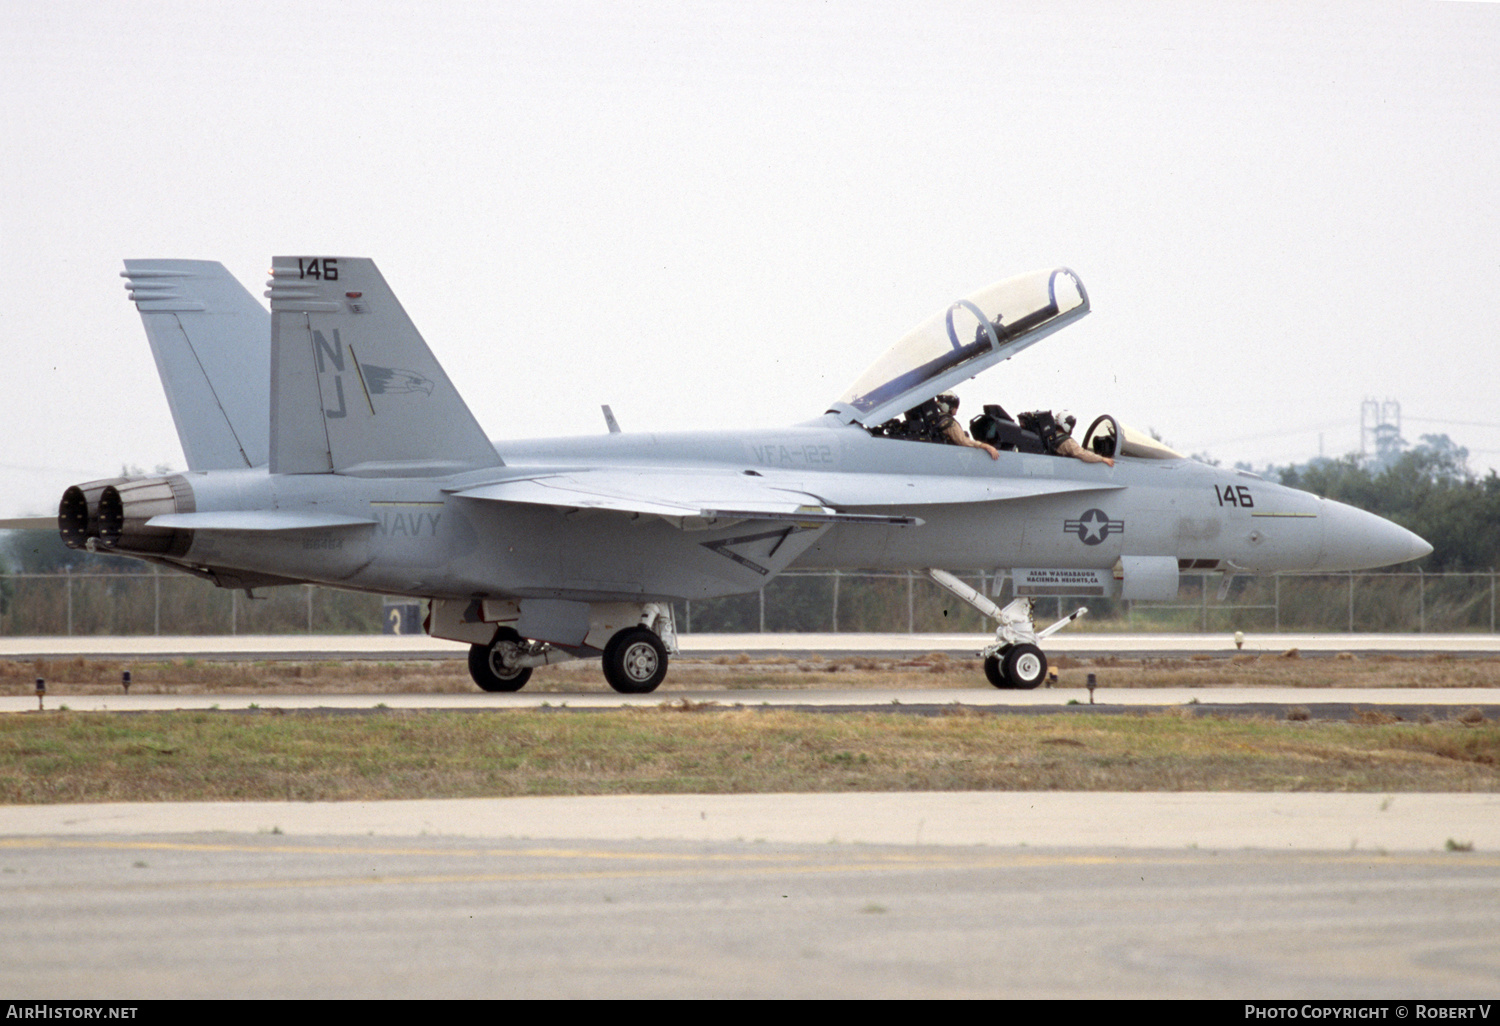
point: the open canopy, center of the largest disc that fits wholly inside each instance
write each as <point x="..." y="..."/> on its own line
<point x="973" y="334"/>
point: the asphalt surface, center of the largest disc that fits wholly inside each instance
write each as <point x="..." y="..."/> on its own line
<point x="287" y="916"/>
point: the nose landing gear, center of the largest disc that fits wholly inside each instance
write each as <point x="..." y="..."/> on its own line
<point x="1015" y="661"/>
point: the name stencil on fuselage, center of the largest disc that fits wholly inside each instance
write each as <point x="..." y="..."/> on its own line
<point x="777" y="454"/>
<point x="407" y="519"/>
<point x="1032" y="582"/>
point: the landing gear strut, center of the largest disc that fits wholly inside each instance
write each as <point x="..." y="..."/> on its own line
<point x="1014" y="661"/>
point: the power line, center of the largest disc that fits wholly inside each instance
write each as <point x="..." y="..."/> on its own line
<point x="1460" y="423"/>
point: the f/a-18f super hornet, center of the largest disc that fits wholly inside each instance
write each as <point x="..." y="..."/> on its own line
<point x="328" y="446"/>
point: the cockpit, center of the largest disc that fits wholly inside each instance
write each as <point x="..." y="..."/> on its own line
<point x="1026" y="432"/>
<point x="1106" y="436"/>
<point x="899" y="395"/>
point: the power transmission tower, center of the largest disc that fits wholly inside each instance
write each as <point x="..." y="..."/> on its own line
<point x="1380" y="431"/>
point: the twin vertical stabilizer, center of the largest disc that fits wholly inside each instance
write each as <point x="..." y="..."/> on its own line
<point x="354" y="388"/>
<point x="212" y="343"/>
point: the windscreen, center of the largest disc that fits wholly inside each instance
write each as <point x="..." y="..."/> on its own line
<point x="1108" y="437"/>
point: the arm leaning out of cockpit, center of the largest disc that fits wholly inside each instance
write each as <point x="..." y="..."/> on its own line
<point x="958" y="436"/>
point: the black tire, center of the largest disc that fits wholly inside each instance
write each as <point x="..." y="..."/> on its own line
<point x="994" y="672"/>
<point x="1025" y="667"/>
<point x="635" y="661"/>
<point x="489" y="672"/>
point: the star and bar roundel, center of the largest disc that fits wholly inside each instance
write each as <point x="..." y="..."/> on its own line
<point x="1093" y="527"/>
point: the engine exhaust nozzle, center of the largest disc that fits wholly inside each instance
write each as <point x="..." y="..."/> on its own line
<point x="127" y="506"/>
<point x="78" y="512"/>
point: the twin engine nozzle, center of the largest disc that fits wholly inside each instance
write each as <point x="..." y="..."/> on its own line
<point x="111" y="515"/>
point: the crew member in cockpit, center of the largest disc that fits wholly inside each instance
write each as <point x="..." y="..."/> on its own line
<point x="1062" y="441"/>
<point x="948" y="426"/>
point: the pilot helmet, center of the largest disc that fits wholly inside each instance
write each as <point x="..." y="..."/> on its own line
<point x="947" y="403"/>
<point x="1065" y="420"/>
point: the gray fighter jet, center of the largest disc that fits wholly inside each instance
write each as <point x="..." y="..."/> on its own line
<point x="328" y="446"/>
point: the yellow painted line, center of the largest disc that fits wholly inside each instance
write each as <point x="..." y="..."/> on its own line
<point x="893" y="860"/>
<point x="557" y="853"/>
<point x="435" y="879"/>
<point x="712" y="863"/>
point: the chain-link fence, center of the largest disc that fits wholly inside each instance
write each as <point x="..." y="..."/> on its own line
<point x="910" y="602"/>
<point x="156" y="602"/>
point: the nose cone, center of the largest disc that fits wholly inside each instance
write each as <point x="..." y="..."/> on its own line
<point x="1356" y="540"/>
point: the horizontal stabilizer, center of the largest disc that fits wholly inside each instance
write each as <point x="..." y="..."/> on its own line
<point x="257" y="520"/>
<point x="29" y="524"/>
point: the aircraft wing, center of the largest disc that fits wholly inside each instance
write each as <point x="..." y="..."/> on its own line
<point x="717" y="494"/>
<point x="708" y="494"/>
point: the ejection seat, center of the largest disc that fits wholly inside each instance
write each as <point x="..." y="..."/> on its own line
<point x="998" y="428"/>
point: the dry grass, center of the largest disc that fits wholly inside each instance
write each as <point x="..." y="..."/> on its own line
<point x="702" y="746"/>
<point x="705" y="748"/>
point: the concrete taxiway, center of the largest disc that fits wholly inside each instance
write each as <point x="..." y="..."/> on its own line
<point x="417" y="646"/>
<point x="1275" y="822"/>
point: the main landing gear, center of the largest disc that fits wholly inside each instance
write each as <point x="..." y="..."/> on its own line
<point x="635" y="657"/>
<point x="635" y="661"/>
<point x="1015" y="661"/>
<point x="497" y="666"/>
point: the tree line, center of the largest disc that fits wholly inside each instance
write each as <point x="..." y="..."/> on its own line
<point x="1428" y="489"/>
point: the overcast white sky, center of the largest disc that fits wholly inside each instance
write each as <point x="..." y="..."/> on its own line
<point x="719" y="214"/>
